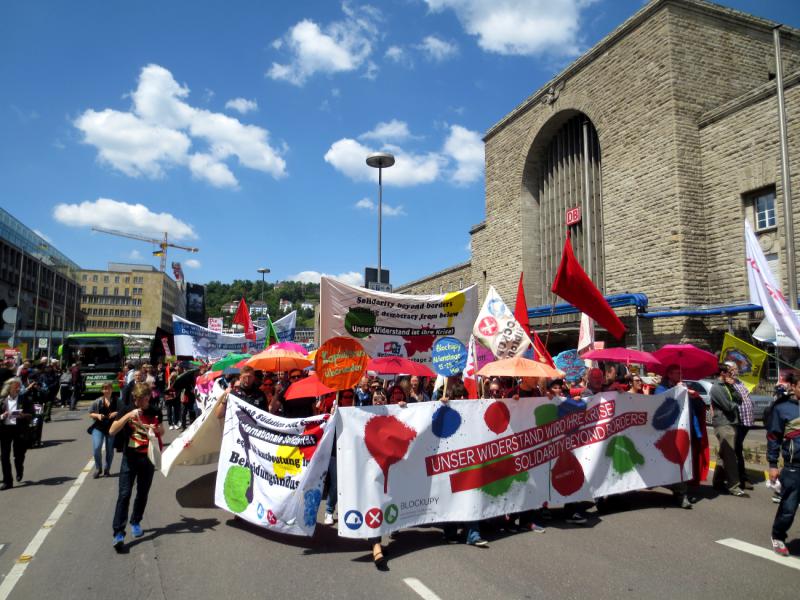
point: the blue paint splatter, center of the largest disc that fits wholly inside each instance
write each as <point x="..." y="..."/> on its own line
<point x="446" y="421"/>
<point x="666" y="415"/>
<point x="312" y="500"/>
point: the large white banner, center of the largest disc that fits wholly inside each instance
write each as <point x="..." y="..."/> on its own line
<point x="396" y="324"/>
<point x="271" y="470"/>
<point x="201" y="342"/>
<point x="474" y="459"/>
<point x="198" y="445"/>
<point x="286" y="327"/>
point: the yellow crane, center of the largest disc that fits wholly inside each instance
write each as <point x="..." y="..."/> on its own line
<point x="162" y="244"/>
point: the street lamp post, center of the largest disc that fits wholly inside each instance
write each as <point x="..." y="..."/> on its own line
<point x="380" y="161"/>
<point x="263" y="271"/>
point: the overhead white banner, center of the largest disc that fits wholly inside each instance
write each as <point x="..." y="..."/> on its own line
<point x="765" y="292"/>
<point x="474" y="459"/>
<point x="396" y="324"/>
<point x="271" y="470"/>
<point x="201" y="342"/>
<point x="498" y="329"/>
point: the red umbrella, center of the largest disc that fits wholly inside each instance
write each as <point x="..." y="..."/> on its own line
<point x="396" y="365"/>
<point x="694" y="362"/>
<point x="310" y="387"/>
<point x="622" y="355"/>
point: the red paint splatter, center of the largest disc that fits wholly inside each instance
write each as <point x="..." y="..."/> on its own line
<point x="497" y="417"/>
<point x="674" y="445"/>
<point x="418" y="343"/>
<point x="567" y="474"/>
<point x="314" y="429"/>
<point x="387" y="439"/>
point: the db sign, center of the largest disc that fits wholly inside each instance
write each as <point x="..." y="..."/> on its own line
<point x="573" y="216"/>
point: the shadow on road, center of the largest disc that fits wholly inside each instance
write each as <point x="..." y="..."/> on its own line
<point x="49" y="481"/>
<point x="198" y="493"/>
<point x="48" y="443"/>
<point x="185" y="525"/>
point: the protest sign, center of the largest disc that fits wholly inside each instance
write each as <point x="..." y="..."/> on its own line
<point x="271" y="470"/>
<point x="749" y="359"/>
<point x="285" y="327"/>
<point x="473" y="459"/>
<point x="498" y="329"/>
<point x="215" y="324"/>
<point x="449" y="356"/>
<point x="340" y="363"/>
<point x="201" y="342"/>
<point x="198" y="444"/>
<point x="395" y="324"/>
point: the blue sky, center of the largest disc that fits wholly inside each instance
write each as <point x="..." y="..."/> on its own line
<point x="242" y="127"/>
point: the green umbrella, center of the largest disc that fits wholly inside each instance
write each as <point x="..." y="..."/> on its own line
<point x="228" y="361"/>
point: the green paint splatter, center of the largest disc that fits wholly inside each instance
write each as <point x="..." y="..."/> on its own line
<point x="545" y="413"/>
<point x="235" y="488"/>
<point x="623" y="454"/>
<point x="501" y="486"/>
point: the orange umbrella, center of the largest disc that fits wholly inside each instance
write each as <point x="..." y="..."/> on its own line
<point x="518" y="367"/>
<point x="278" y="360"/>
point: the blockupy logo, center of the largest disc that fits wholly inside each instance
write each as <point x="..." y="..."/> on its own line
<point x="390" y="513"/>
<point x="359" y="322"/>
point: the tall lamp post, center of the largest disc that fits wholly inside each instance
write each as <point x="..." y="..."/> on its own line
<point x="380" y="161"/>
<point x="263" y="271"/>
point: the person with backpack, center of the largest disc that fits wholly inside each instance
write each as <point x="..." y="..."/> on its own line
<point x="103" y="412"/>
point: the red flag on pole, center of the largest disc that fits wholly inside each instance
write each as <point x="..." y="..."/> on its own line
<point x="242" y="317"/>
<point x="540" y="353"/>
<point x="573" y="285"/>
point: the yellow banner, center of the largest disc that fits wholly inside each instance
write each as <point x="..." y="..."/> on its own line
<point x="748" y="358"/>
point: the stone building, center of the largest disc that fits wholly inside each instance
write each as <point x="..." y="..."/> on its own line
<point x="675" y="113"/>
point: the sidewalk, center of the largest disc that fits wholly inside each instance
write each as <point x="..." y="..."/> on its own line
<point x="755" y="453"/>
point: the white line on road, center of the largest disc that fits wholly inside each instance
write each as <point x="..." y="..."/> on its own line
<point x="423" y="590"/>
<point x="33" y="547"/>
<point x="786" y="561"/>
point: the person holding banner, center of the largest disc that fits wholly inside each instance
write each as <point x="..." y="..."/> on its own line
<point x="248" y="391"/>
<point x="137" y="427"/>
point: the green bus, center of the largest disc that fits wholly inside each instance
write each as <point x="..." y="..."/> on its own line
<point x="102" y="356"/>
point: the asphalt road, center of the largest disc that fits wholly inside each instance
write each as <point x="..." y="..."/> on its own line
<point x="647" y="548"/>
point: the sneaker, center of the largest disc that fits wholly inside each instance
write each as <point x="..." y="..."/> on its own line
<point x="780" y="548"/>
<point x="96" y="474"/>
<point x="685" y="503"/>
<point x="577" y="519"/>
<point x="776" y="498"/>
<point x="535" y="528"/>
<point x="479" y="543"/>
<point x="119" y="539"/>
<point x="328" y="519"/>
<point x="136" y="529"/>
<point x="739" y="493"/>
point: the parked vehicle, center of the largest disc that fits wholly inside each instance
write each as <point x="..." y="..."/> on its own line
<point x="703" y="387"/>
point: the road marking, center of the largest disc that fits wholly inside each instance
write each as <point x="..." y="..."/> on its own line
<point x="787" y="561"/>
<point x="33" y="547"/>
<point x="422" y="590"/>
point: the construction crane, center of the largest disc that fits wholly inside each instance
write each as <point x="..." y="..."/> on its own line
<point x="162" y="244"/>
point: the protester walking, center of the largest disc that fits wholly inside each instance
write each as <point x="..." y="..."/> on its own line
<point x="783" y="438"/>
<point x="135" y="426"/>
<point x="745" y="423"/>
<point x="16" y="412"/>
<point x="76" y="381"/>
<point x="102" y="412"/>
<point x="725" y="402"/>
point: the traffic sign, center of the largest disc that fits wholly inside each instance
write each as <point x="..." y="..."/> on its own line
<point x="42" y="342"/>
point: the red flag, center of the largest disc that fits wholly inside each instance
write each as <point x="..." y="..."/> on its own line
<point x="242" y="317"/>
<point x="540" y="352"/>
<point x="573" y="285"/>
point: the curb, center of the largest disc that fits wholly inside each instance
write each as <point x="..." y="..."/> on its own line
<point x="756" y="474"/>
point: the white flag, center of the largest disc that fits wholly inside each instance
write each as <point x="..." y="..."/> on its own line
<point x="765" y="292"/>
<point x="498" y="330"/>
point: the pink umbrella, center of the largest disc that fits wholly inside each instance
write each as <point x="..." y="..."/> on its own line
<point x="693" y="362"/>
<point x="396" y="365"/>
<point x="291" y="346"/>
<point x="622" y="355"/>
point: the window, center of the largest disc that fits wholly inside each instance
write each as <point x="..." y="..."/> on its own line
<point x="94" y="289"/>
<point x="127" y="280"/>
<point x="105" y="278"/>
<point x="764" y="207"/>
<point x="85" y="277"/>
<point x="116" y="278"/>
<point x="105" y="291"/>
<point x="116" y="290"/>
<point x="94" y="278"/>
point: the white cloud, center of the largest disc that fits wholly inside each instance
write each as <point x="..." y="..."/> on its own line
<point x="392" y="130"/>
<point x="350" y="277"/>
<point x="523" y="27"/>
<point x="349" y="157"/>
<point x="161" y="130"/>
<point x="192" y="263"/>
<point x="465" y="147"/>
<point x="398" y="55"/>
<point x="45" y="237"/>
<point x="133" y="218"/>
<point x="341" y="46"/>
<point x="242" y="105"/>
<point x="437" y="49"/>
<point x="387" y="210"/>
<point x="135" y="255"/>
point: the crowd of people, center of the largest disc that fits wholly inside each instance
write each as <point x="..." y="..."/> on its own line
<point x="132" y="421"/>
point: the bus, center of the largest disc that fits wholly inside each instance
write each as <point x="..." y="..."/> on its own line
<point x="102" y="356"/>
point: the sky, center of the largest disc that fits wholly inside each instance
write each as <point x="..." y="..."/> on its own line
<point x="242" y="128"/>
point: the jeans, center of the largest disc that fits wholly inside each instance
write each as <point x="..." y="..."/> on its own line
<point x="136" y="468"/>
<point x="330" y="504"/>
<point x="728" y="470"/>
<point x="790" y="496"/>
<point x="75" y="396"/>
<point x="174" y="412"/>
<point x="10" y="436"/>
<point x="738" y="448"/>
<point x="100" y="439"/>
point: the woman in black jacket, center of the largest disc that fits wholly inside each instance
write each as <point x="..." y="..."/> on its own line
<point x="16" y="412"/>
